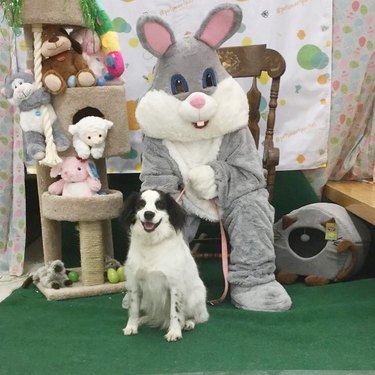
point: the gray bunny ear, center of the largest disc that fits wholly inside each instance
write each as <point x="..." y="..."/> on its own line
<point x="154" y="34"/>
<point x="219" y="25"/>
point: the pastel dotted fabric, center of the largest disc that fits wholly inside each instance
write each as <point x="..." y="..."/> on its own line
<point x="12" y="187"/>
<point x="351" y="145"/>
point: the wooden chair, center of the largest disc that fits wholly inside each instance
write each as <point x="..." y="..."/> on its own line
<point x="250" y="62"/>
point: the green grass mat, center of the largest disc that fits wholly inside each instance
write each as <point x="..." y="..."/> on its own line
<point x="329" y="328"/>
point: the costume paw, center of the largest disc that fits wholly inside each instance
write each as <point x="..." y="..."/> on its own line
<point x="202" y="180"/>
<point x="265" y="297"/>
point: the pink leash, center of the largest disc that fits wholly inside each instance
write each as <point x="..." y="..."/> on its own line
<point x="224" y="253"/>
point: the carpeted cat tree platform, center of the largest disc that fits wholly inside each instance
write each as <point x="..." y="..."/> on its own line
<point x="92" y="214"/>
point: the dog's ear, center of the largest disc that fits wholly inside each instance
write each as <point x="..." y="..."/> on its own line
<point x="127" y="217"/>
<point x="177" y="215"/>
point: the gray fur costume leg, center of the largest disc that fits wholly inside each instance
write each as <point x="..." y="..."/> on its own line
<point x="248" y="222"/>
<point x="249" y="226"/>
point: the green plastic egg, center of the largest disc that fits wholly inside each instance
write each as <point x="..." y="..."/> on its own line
<point x="112" y="276"/>
<point x="73" y="276"/>
<point x="121" y="273"/>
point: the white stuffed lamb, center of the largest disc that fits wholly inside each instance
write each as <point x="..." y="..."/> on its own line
<point x="89" y="135"/>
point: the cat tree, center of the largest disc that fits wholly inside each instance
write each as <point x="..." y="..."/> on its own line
<point x="93" y="214"/>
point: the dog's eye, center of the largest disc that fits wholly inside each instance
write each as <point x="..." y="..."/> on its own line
<point x="141" y="204"/>
<point x="160" y="205"/>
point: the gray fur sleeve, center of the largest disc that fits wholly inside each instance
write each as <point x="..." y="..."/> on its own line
<point x="159" y="170"/>
<point x="238" y="169"/>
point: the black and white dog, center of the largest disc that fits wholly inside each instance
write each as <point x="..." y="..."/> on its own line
<point x="162" y="279"/>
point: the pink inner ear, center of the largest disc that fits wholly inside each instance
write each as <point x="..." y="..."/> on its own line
<point x="157" y="37"/>
<point x="217" y="28"/>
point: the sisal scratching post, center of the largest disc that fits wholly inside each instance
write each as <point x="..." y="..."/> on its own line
<point x="92" y="252"/>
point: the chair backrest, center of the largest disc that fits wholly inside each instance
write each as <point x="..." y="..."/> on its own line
<point x="251" y="61"/>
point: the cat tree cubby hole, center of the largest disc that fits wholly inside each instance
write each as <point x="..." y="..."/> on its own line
<point x="102" y="101"/>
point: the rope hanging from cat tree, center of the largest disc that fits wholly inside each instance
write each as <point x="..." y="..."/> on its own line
<point x="51" y="158"/>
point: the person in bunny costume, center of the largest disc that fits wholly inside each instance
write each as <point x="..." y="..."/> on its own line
<point x="194" y="120"/>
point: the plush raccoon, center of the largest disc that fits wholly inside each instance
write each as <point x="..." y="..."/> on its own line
<point x="21" y="91"/>
<point x="52" y="275"/>
<point x="322" y="242"/>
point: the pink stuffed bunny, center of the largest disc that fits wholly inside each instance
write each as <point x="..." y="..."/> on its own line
<point x="77" y="178"/>
<point x="91" y="52"/>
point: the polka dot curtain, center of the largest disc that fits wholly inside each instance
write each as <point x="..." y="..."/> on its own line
<point x="12" y="187"/>
<point x="351" y="142"/>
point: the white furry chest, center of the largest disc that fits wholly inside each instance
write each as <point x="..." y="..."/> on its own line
<point x="32" y="120"/>
<point x="188" y="155"/>
<point x="165" y="257"/>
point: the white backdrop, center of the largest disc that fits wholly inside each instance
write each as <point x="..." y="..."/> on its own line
<point x="299" y="29"/>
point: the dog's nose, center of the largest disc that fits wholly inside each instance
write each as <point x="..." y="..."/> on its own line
<point x="54" y="39"/>
<point x="149" y="215"/>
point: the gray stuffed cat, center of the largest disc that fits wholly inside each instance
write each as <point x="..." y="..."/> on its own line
<point x="194" y="118"/>
<point x="21" y="91"/>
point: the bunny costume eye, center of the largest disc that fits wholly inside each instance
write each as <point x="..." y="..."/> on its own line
<point x="209" y="78"/>
<point x="179" y="84"/>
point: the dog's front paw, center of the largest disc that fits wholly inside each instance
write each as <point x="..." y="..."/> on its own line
<point x="173" y="335"/>
<point x="130" y="330"/>
<point x="189" y="325"/>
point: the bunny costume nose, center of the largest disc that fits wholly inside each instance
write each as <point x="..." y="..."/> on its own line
<point x="197" y="101"/>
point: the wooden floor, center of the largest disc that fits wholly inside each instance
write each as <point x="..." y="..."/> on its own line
<point x="356" y="196"/>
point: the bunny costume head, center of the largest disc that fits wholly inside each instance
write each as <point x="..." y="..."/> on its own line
<point x="192" y="96"/>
